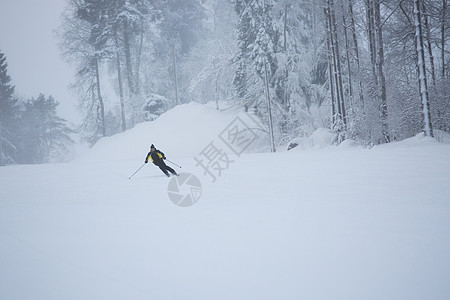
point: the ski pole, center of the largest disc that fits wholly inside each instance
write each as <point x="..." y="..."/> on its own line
<point x="173" y="163"/>
<point x="137" y="171"/>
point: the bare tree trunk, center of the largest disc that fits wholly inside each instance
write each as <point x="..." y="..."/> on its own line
<point x="443" y="25"/>
<point x="128" y="64"/>
<point x="380" y="72"/>
<point x="405" y="69"/>
<point x="347" y="54"/>
<point x="314" y="25"/>
<point x="175" y="74"/>
<point x="269" y="108"/>
<point x="138" y="60"/>
<point x="285" y="27"/>
<point x="99" y="96"/>
<point x="119" y="78"/>
<point x="338" y="107"/>
<point x="429" y="46"/>
<point x="371" y="35"/>
<point x="286" y="105"/>
<point x="339" y="83"/>
<point x="1" y="143"/>
<point x="423" y="89"/>
<point x="355" y="45"/>
<point x="330" y="69"/>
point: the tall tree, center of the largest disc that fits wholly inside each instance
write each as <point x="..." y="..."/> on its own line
<point x="340" y="119"/>
<point x="245" y="37"/>
<point x="208" y="67"/>
<point x="376" y="48"/>
<point x="8" y="104"/>
<point x="356" y="51"/>
<point x="99" y="31"/>
<point x="380" y="70"/>
<point x="84" y="41"/>
<point x="330" y="70"/>
<point x="8" y="114"/>
<point x="129" y="19"/>
<point x="179" y="27"/>
<point x="444" y="18"/>
<point x="428" y="40"/>
<point x="422" y="75"/>
<point x="181" y="22"/>
<point x="256" y="39"/>
<point x="43" y="134"/>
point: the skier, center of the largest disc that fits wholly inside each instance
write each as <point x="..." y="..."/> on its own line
<point x="157" y="158"/>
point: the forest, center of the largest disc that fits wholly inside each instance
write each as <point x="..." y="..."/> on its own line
<point x="374" y="71"/>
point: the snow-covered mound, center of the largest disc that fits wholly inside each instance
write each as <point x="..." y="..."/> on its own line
<point x="182" y="131"/>
<point x="319" y="139"/>
<point x="442" y="136"/>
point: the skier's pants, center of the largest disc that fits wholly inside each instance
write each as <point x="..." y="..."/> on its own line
<point x="166" y="168"/>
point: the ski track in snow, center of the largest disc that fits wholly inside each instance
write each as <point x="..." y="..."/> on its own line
<point x="332" y="223"/>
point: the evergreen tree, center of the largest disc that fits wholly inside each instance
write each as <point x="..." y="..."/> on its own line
<point x="8" y="114"/>
<point x="257" y="42"/>
<point x="208" y="67"/>
<point x="43" y="135"/>
<point x="181" y="22"/>
<point x="179" y="29"/>
<point x="99" y="31"/>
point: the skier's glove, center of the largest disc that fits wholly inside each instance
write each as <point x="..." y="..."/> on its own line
<point x="164" y="157"/>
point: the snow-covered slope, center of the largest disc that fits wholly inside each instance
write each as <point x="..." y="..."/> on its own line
<point x="183" y="131"/>
<point x="334" y="223"/>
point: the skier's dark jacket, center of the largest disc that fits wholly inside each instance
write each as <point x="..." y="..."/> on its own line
<point x="156" y="157"/>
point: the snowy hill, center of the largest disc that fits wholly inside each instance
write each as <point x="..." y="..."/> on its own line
<point x="182" y="131"/>
<point x="331" y="223"/>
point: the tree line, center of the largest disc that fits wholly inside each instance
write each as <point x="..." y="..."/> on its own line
<point x="133" y="44"/>
<point x="30" y="130"/>
<point x="371" y="70"/>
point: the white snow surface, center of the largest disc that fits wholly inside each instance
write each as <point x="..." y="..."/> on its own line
<point x="330" y="223"/>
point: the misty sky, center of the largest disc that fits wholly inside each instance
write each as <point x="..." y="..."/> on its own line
<point x="34" y="61"/>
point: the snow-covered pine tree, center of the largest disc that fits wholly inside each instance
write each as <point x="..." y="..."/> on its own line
<point x="209" y="66"/>
<point x="178" y="29"/>
<point x="43" y="131"/>
<point x="130" y="22"/>
<point x="258" y="41"/>
<point x="8" y="114"/>
<point x="300" y="77"/>
<point x="245" y="80"/>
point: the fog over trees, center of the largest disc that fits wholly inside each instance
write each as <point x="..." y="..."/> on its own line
<point x="373" y="71"/>
<point x="30" y="130"/>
